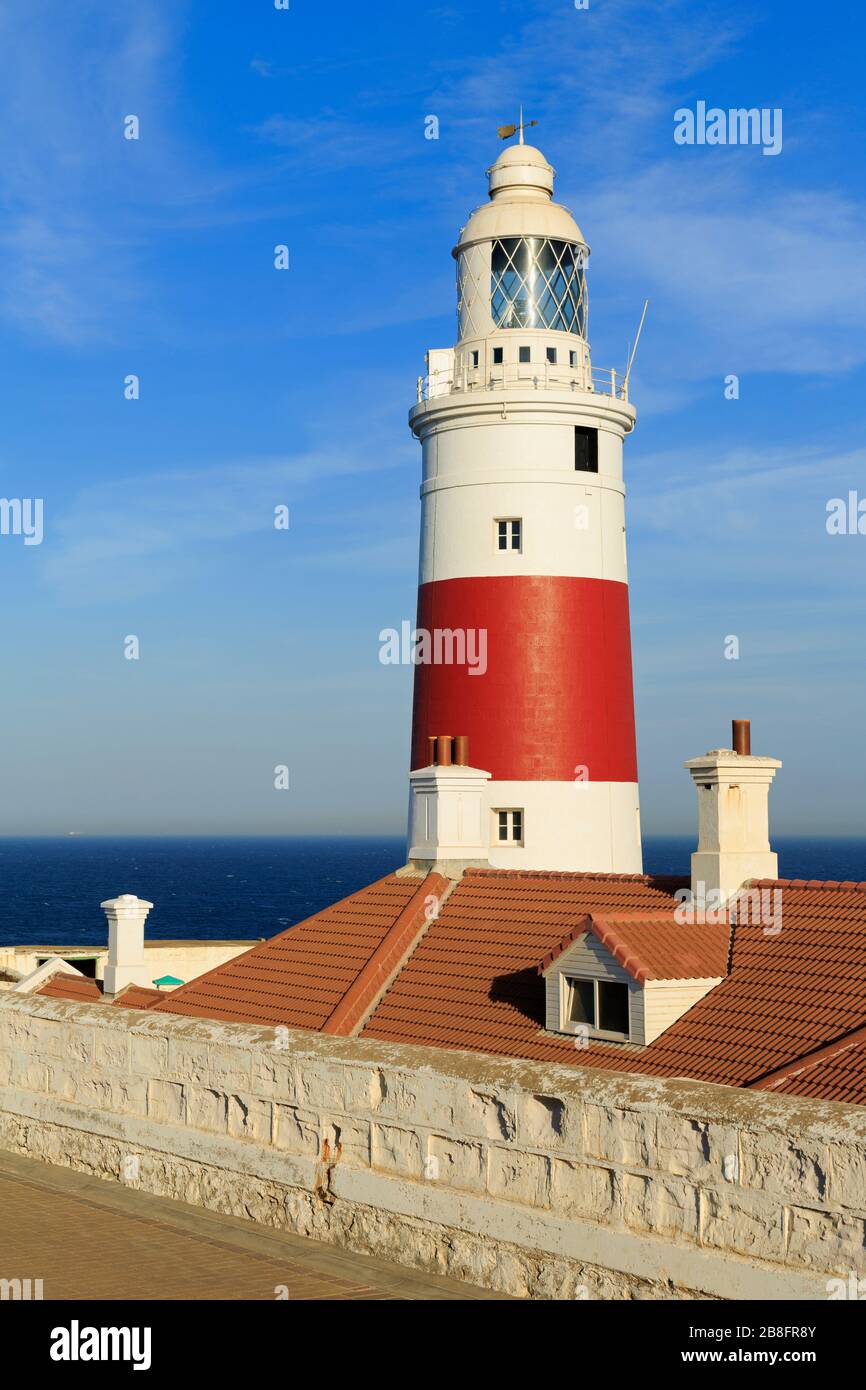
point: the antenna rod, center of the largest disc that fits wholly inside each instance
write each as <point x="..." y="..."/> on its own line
<point x="636" y="341"/>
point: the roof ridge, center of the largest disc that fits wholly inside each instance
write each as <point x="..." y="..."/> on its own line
<point x="580" y="875"/>
<point x="831" y="885"/>
<point x="809" y="1059"/>
<point x="263" y="944"/>
<point x="363" y="995"/>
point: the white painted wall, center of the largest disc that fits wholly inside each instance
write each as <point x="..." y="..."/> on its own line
<point x="577" y="826"/>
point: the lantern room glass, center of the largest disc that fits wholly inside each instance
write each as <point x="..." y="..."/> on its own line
<point x="537" y="282"/>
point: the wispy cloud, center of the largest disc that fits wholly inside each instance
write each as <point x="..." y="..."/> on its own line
<point x="144" y="534"/>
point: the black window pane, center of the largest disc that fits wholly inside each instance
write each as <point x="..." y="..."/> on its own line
<point x="585" y="449"/>
<point x="612" y="1007"/>
<point x="497" y="356"/>
<point x="580" y="1003"/>
<point x="524" y="354"/>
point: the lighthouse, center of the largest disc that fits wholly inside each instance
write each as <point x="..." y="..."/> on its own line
<point x="525" y="760"/>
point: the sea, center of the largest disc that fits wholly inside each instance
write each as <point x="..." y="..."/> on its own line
<point x="237" y="888"/>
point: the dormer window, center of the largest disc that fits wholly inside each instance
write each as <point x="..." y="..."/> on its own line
<point x="602" y="1006"/>
<point x="607" y="979"/>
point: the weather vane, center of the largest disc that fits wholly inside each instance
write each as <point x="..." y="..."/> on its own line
<point x="505" y="132"/>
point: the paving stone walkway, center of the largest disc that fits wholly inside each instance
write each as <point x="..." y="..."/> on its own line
<point x="86" y="1238"/>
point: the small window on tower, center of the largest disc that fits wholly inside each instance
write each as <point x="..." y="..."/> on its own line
<point x="523" y="354"/>
<point x="508" y="827"/>
<point x="551" y="356"/>
<point x="497" y="357"/>
<point x="475" y="357"/>
<point x="585" y="449"/>
<point x="572" y="359"/>
<point x="509" y="533"/>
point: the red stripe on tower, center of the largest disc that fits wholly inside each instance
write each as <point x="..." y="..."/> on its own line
<point x="556" y="694"/>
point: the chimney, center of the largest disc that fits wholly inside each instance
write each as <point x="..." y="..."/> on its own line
<point x="733" y="789"/>
<point x="448" y="813"/>
<point x="125" y="966"/>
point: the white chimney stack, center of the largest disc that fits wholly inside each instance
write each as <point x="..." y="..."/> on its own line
<point x="126" y="916"/>
<point x="733" y="818"/>
<point x="448" y="815"/>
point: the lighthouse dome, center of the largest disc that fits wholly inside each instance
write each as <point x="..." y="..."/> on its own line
<point x="521" y="202"/>
<point x="521" y="171"/>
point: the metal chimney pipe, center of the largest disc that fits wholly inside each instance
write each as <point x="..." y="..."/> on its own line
<point x="741" y="734"/>
<point x="431" y="749"/>
<point x="461" y="750"/>
<point x="443" y="750"/>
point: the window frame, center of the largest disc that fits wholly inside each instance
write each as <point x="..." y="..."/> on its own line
<point x="510" y="841"/>
<point x="565" y="1023"/>
<point x="510" y="522"/>
<point x="590" y="433"/>
<point x="524" y="361"/>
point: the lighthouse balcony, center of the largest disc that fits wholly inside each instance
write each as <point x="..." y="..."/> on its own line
<point x="451" y="379"/>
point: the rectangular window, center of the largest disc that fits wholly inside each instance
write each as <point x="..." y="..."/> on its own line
<point x="602" y="1004"/>
<point x="580" y="1002"/>
<point x="509" y="533"/>
<point x="508" y="827"/>
<point x="612" y="1007"/>
<point x="551" y="356"/>
<point x="585" y="449"/>
<point x="572" y="359"/>
<point x="523" y="354"/>
<point x="497" y="357"/>
<point x="475" y="358"/>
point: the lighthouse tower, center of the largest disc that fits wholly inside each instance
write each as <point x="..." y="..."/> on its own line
<point x="523" y="741"/>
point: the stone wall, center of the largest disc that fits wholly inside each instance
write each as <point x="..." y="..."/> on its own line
<point x="531" y="1179"/>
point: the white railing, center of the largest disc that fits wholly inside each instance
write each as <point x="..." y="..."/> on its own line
<point x="546" y="376"/>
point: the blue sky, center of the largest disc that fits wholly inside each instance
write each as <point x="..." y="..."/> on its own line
<point x="259" y="388"/>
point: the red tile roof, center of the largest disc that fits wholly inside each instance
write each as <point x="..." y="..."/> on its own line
<point x="832" y="1073"/>
<point x="82" y="989"/>
<point x="468" y="985"/>
<point x="650" y="946"/>
<point x="78" y="987"/>
<point x="139" y="997"/>
<point x="299" y="977"/>
<point x="469" y="978"/>
<point x="473" y="981"/>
